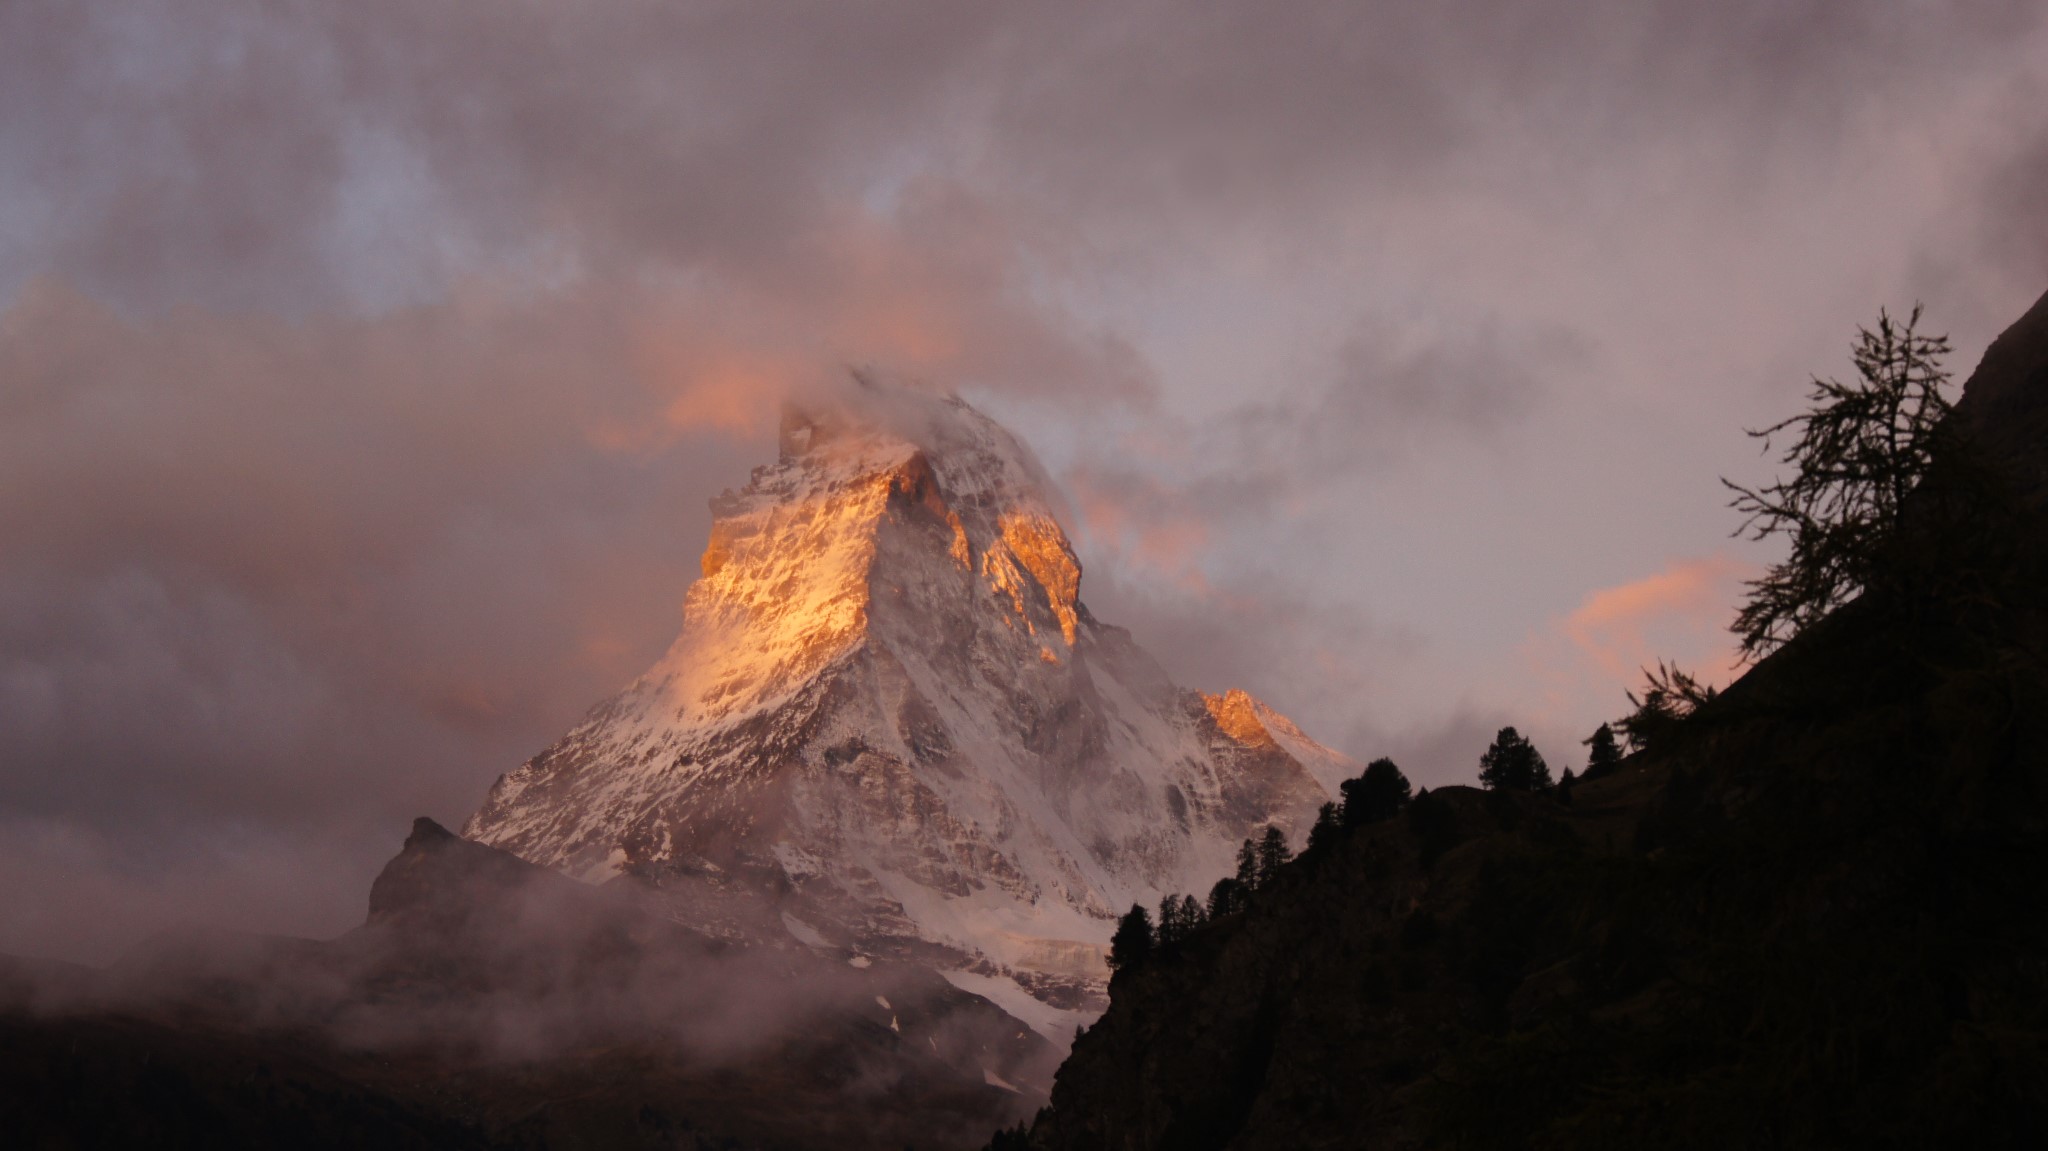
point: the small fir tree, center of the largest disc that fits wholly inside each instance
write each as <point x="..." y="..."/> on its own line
<point x="1131" y="945"/>
<point x="1513" y="764"/>
<point x="1380" y="793"/>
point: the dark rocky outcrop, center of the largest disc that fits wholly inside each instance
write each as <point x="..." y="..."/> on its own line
<point x="2005" y="406"/>
<point x="439" y="874"/>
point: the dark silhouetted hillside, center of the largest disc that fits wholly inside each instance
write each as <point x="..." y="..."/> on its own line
<point x="1816" y="916"/>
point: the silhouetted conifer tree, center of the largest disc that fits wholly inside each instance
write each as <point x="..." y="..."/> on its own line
<point x="1380" y="793"/>
<point x="1273" y="854"/>
<point x="1248" y="866"/>
<point x="1179" y="915"/>
<point x="1513" y="764"/>
<point x="1603" y="752"/>
<point x="1132" y="943"/>
<point x="1324" y="832"/>
<point x="1861" y="449"/>
<point x="1226" y="898"/>
<point x="1564" y="787"/>
<point x="1166" y="931"/>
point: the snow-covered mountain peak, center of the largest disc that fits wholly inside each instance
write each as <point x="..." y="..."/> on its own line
<point x="890" y="723"/>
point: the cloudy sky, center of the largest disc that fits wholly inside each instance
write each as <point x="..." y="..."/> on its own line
<point x="365" y="368"/>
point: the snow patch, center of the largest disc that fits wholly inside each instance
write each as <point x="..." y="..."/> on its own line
<point x="1056" y="1024"/>
<point x="803" y="932"/>
<point x="606" y="868"/>
<point x="796" y="863"/>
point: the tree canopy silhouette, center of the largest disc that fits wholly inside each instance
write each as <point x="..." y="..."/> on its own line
<point x="1179" y="915"/>
<point x="1858" y="450"/>
<point x="1273" y="854"/>
<point x="1247" y="865"/>
<point x="1324" y="832"/>
<point x="1226" y="898"/>
<point x="1513" y="764"/>
<point x="1380" y="793"/>
<point x="1131" y="945"/>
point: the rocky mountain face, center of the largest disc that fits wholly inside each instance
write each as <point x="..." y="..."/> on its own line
<point x="891" y="727"/>
<point x="1812" y="915"/>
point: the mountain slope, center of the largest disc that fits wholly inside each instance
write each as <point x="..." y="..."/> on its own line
<point x="1814" y="916"/>
<point x="890" y="726"/>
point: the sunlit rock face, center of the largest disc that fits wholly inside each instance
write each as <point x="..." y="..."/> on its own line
<point x="891" y="727"/>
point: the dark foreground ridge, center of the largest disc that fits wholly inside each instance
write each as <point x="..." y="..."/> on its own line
<point x="490" y="1003"/>
<point x="1815" y="916"/>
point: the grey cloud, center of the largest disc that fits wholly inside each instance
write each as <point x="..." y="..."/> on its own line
<point x="238" y="154"/>
<point x="1160" y="115"/>
<point x="315" y="579"/>
<point x="1384" y="396"/>
<point x="249" y="154"/>
<point x="2014" y="226"/>
<point x="1316" y="662"/>
<point x="1388" y="394"/>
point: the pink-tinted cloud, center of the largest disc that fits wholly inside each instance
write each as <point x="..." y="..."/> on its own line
<point x="1575" y="671"/>
<point x="1690" y="602"/>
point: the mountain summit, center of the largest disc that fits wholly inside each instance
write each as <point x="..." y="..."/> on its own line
<point x="891" y="727"/>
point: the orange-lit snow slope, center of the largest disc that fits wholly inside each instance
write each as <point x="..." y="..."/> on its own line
<point x="891" y="727"/>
